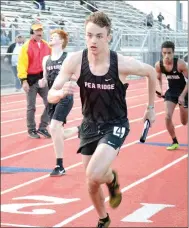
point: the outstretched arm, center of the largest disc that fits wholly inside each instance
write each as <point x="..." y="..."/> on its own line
<point x="159" y="78"/>
<point x="135" y="67"/>
<point x="131" y="66"/>
<point x="184" y="69"/>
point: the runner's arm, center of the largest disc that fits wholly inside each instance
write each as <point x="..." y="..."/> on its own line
<point x="159" y="78"/>
<point x="67" y="70"/>
<point x="135" y="67"/>
<point x="44" y="67"/>
<point x="184" y="69"/>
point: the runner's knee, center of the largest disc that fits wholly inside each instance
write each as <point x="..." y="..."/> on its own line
<point x="184" y="120"/>
<point x="93" y="177"/>
<point x="168" y="117"/>
<point x="92" y="184"/>
<point x="183" y="115"/>
<point x="55" y="127"/>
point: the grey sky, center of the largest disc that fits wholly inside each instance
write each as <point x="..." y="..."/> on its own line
<point x="167" y="8"/>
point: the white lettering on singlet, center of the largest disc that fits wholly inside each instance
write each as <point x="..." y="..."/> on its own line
<point x="99" y="86"/>
<point x="173" y="77"/>
<point x="54" y="67"/>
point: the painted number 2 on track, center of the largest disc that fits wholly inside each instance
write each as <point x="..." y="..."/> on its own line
<point x="142" y="214"/>
<point x="47" y="201"/>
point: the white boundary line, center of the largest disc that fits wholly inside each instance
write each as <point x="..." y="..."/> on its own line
<point x="75" y="137"/>
<point x="36" y="179"/>
<point x="131" y="84"/>
<point x="33" y="149"/>
<point x="22" y="118"/>
<point x="158" y="171"/>
<point x="21" y="132"/>
<point x="15" y="102"/>
<point x="19" y="109"/>
<point x="47" y="145"/>
<point x="16" y="225"/>
<point x="77" y="164"/>
<point x="42" y="105"/>
<point x="40" y="99"/>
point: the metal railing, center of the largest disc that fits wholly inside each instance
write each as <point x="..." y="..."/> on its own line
<point x="30" y="6"/>
<point x="74" y="43"/>
<point x="7" y="75"/>
<point x="116" y="23"/>
<point x="132" y="40"/>
<point x="116" y="39"/>
<point x="156" y="38"/>
<point x="124" y="12"/>
<point x="124" y="37"/>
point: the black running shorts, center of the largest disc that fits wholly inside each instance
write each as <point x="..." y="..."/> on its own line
<point x="91" y="135"/>
<point x="60" y="110"/>
<point x="173" y="97"/>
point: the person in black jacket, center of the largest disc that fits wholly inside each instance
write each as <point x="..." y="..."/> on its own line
<point x="13" y="51"/>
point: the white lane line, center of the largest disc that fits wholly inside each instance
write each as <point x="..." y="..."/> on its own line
<point x="30" y="150"/>
<point x="42" y="105"/>
<point x="20" y="101"/>
<point x="132" y="185"/>
<point x="33" y="149"/>
<point x="16" y="225"/>
<point x="37" y="106"/>
<point x="77" y="164"/>
<point x="22" y="118"/>
<point x="36" y="179"/>
<point x="21" y="132"/>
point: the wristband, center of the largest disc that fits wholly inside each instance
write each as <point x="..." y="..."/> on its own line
<point x="150" y="107"/>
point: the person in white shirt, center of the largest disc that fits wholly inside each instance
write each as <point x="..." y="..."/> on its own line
<point x="14" y="49"/>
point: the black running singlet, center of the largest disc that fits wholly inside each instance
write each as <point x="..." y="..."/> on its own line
<point x="176" y="80"/>
<point x="102" y="97"/>
<point x="53" y="68"/>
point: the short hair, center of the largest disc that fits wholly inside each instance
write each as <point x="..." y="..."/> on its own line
<point x="168" y="44"/>
<point x="100" y="19"/>
<point x="63" y="35"/>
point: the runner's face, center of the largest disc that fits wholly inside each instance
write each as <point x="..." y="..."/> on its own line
<point x="55" y="39"/>
<point x="97" y="38"/>
<point x="167" y="54"/>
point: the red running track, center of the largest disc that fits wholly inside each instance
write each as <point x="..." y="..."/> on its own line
<point x="153" y="180"/>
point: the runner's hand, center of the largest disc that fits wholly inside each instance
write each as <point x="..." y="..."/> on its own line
<point x="150" y="115"/>
<point x="70" y="88"/>
<point x="159" y="94"/>
<point x="42" y="83"/>
<point x="181" y="100"/>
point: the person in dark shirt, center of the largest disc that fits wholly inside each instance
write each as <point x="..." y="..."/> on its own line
<point x="176" y="72"/>
<point x="14" y="49"/>
<point x="57" y="112"/>
<point x="160" y="18"/>
<point x="101" y="75"/>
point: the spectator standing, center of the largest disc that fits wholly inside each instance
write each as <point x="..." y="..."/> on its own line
<point x="30" y="71"/>
<point x="15" y="49"/>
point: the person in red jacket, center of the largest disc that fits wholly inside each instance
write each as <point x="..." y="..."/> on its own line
<point x="29" y="72"/>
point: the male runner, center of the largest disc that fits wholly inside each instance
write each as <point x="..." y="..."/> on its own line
<point x="176" y="71"/>
<point x="57" y="112"/>
<point x="101" y="74"/>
